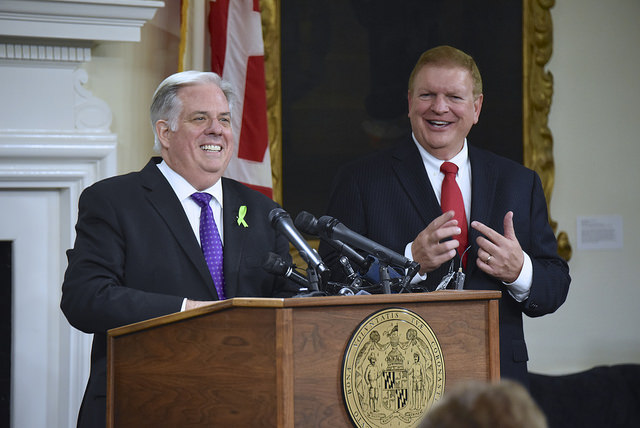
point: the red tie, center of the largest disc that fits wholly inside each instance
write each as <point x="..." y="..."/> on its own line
<point x="451" y="200"/>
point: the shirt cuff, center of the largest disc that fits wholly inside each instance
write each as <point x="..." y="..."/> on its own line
<point x="521" y="287"/>
<point x="184" y="305"/>
<point x="418" y="276"/>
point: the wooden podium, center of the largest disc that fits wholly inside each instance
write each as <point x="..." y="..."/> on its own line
<point x="249" y="362"/>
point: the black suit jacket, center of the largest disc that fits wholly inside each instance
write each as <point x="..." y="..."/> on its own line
<point x="388" y="198"/>
<point x="136" y="257"/>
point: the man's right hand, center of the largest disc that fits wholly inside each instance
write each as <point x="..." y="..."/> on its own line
<point x="429" y="249"/>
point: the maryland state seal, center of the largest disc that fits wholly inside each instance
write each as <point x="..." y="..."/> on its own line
<point x="393" y="370"/>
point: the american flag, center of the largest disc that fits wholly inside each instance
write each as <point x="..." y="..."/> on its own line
<point x="225" y="36"/>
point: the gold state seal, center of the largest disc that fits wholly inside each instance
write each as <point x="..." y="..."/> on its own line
<point x="393" y="370"/>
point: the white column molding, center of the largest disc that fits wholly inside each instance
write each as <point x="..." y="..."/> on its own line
<point x="90" y="113"/>
<point x="55" y="140"/>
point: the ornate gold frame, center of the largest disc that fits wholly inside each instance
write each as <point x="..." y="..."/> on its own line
<point x="270" y="13"/>
<point x="537" y="43"/>
<point x="537" y="90"/>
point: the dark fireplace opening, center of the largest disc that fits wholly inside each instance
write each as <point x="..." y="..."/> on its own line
<point x="5" y="332"/>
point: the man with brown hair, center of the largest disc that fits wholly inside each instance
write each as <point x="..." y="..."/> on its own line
<point x="488" y="218"/>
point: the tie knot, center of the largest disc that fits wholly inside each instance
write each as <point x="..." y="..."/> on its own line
<point x="201" y="198"/>
<point x="449" y="168"/>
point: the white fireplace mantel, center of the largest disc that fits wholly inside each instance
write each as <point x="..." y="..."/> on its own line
<point x="114" y="20"/>
<point x="55" y="140"/>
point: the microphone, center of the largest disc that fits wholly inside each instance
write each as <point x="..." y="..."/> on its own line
<point x="332" y="228"/>
<point x="307" y="223"/>
<point x="276" y="265"/>
<point x="281" y="221"/>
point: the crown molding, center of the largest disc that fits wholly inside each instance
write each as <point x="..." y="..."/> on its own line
<point x="99" y="20"/>
<point x="44" y="52"/>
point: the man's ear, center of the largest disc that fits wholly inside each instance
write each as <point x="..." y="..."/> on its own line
<point x="477" y="106"/>
<point x="163" y="131"/>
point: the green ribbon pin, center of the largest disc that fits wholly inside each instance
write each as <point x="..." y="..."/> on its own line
<point x="241" y="213"/>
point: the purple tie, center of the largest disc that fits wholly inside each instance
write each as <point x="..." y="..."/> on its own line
<point x="210" y="241"/>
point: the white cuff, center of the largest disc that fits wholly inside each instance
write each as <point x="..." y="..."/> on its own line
<point x="521" y="287"/>
<point x="418" y="277"/>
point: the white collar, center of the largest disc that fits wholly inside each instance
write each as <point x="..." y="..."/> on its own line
<point x="433" y="163"/>
<point x="183" y="188"/>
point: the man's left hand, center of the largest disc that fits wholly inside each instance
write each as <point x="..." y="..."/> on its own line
<point x="499" y="256"/>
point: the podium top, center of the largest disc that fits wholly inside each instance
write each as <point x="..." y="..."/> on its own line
<point x="279" y="303"/>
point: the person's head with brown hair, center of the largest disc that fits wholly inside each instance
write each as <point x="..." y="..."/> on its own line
<point x="445" y="98"/>
<point x="506" y="404"/>
<point x="448" y="56"/>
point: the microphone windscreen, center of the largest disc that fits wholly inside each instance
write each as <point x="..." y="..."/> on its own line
<point x="307" y="223"/>
<point x="275" y="214"/>
<point x="274" y="264"/>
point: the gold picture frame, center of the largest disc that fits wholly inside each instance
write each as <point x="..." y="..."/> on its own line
<point x="537" y="91"/>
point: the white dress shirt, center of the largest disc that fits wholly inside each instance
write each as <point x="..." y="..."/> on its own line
<point x="520" y="288"/>
<point x="184" y="190"/>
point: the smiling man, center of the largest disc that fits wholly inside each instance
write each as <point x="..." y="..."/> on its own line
<point x="175" y="235"/>
<point x="449" y="205"/>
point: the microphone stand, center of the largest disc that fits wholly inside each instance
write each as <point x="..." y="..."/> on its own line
<point x="385" y="279"/>
<point x="314" y="279"/>
<point x="413" y="269"/>
<point x="352" y="276"/>
<point x="312" y="275"/>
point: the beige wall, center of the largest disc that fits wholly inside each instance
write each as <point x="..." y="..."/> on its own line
<point x="125" y="75"/>
<point x="594" y="121"/>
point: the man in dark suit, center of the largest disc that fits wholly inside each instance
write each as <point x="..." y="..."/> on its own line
<point x="137" y="253"/>
<point x="393" y="197"/>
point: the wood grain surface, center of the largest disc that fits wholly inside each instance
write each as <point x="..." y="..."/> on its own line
<point x="276" y="362"/>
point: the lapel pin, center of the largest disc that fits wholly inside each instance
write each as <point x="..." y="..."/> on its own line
<point x="241" y="213"/>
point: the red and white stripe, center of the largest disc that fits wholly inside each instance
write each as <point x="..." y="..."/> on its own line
<point x="231" y="38"/>
<point x="237" y="54"/>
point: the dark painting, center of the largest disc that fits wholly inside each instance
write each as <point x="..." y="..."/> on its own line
<point x="345" y="68"/>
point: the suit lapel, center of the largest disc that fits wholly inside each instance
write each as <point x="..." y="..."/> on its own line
<point x="163" y="199"/>
<point x="483" y="189"/>
<point x="408" y="167"/>
<point x="235" y="236"/>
